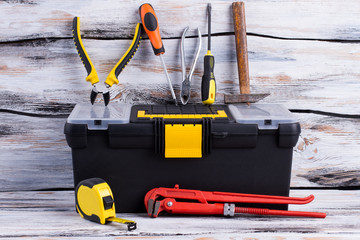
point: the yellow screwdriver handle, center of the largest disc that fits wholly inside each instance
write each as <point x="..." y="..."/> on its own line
<point x="208" y="85"/>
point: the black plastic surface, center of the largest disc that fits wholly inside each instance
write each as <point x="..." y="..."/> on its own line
<point x="289" y="134"/>
<point x="108" y="202"/>
<point x="76" y="135"/>
<point x="209" y="62"/>
<point x="236" y="158"/>
<point x="181" y="109"/>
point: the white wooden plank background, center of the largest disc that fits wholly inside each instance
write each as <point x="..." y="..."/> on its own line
<point x="35" y="150"/>
<point x="42" y="74"/>
<point x="52" y="215"/>
<point x="324" y="19"/>
<point x="305" y="53"/>
<point x="301" y="74"/>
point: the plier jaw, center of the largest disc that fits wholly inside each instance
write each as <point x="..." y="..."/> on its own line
<point x="105" y="94"/>
<point x="186" y="83"/>
<point x="185" y="91"/>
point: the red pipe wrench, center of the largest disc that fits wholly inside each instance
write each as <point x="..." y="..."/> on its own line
<point x="218" y="203"/>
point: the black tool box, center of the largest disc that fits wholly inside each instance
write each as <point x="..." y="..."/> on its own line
<point x="230" y="148"/>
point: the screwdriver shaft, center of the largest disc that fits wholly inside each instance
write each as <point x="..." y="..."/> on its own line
<point x="168" y="78"/>
<point x="209" y="26"/>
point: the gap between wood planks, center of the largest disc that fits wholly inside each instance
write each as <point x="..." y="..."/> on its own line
<point x="347" y="188"/>
<point x="331" y="114"/>
<point x="203" y="35"/>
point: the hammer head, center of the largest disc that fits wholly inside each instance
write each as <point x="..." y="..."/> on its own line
<point x="245" y="98"/>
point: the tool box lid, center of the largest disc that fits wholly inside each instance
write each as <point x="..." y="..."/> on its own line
<point x="98" y="116"/>
<point x="266" y="116"/>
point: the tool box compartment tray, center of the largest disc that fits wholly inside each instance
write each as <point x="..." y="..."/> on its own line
<point x="228" y="148"/>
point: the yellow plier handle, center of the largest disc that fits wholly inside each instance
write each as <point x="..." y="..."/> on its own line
<point x="92" y="74"/>
<point x="120" y="65"/>
<point x="125" y="59"/>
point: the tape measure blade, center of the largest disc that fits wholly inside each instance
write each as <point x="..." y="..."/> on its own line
<point x="131" y="224"/>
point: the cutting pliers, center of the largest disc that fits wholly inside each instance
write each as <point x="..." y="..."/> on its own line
<point x="186" y="83"/>
<point x="93" y="77"/>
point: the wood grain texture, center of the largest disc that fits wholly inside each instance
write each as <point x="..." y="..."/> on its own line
<point x="301" y="74"/>
<point x="52" y="215"/>
<point x="40" y="73"/>
<point x="241" y="46"/>
<point x="35" y="155"/>
<point x="327" y="152"/>
<point x="33" y="19"/>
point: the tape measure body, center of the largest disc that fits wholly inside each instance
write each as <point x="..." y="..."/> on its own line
<point x="94" y="200"/>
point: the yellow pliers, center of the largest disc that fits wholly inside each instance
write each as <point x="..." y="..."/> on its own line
<point x="120" y="65"/>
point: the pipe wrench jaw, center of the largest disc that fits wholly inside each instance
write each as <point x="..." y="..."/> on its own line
<point x="156" y="207"/>
<point x="153" y="205"/>
<point x="150" y="201"/>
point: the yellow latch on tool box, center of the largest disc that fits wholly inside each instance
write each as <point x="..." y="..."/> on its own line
<point x="183" y="140"/>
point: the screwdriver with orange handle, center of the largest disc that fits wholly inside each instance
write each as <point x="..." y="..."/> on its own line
<point x="151" y="26"/>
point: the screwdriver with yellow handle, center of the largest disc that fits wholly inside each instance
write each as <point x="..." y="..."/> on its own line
<point x="208" y="85"/>
<point x="151" y="26"/>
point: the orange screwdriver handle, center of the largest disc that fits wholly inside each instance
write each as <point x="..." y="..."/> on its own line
<point x="151" y="26"/>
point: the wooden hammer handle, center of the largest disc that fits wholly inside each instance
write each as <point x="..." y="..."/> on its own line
<point x="241" y="46"/>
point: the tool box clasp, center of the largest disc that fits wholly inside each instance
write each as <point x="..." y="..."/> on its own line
<point x="183" y="140"/>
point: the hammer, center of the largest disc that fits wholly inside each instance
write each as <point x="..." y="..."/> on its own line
<point x="242" y="59"/>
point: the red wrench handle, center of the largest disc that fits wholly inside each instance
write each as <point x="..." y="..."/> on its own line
<point x="264" y="211"/>
<point x="254" y="198"/>
<point x="207" y="196"/>
<point x="171" y="206"/>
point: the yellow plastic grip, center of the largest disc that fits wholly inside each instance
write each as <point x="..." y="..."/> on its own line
<point x="90" y="69"/>
<point x="125" y="59"/>
<point x="208" y="85"/>
<point x="212" y="92"/>
<point x="183" y="140"/>
<point x="90" y="202"/>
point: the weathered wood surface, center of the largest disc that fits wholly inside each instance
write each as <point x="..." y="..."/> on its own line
<point x="31" y="19"/>
<point x="34" y="153"/>
<point x="303" y="75"/>
<point x="327" y="153"/>
<point x="41" y="74"/>
<point x="42" y="215"/>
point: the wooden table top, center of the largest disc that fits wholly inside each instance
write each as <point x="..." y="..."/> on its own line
<point x="52" y="215"/>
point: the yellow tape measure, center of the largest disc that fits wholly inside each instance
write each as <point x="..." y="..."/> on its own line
<point x="95" y="202"/>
